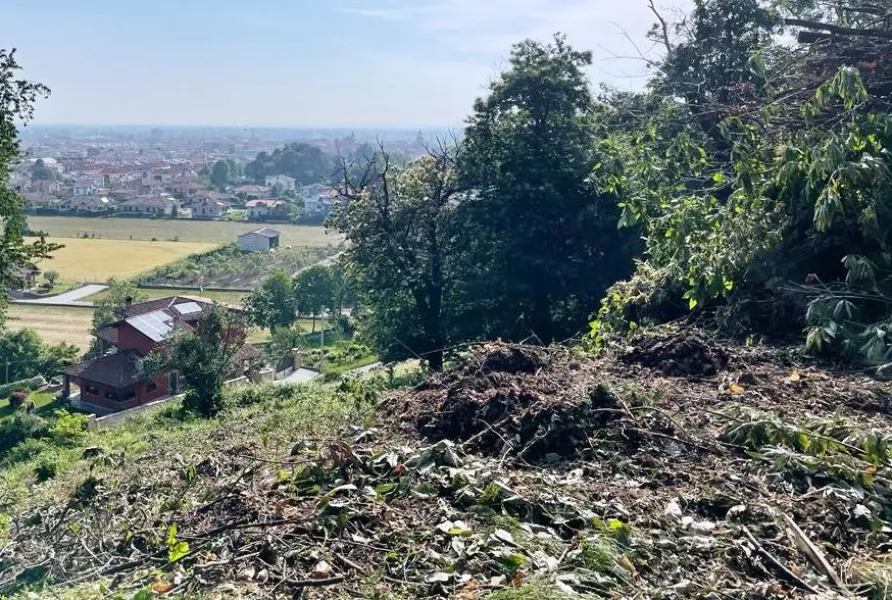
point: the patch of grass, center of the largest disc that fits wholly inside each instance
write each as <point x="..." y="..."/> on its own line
<point x="232" y="297"/>
<point x="533" y="590"/>
<point x="341" y="368"/>
<point x="271" y="414"/>
<point x="875" y="576"/>
<point x="181" y="230"/>
<point x="54" y="324"/>
<point x="96" y="260"/>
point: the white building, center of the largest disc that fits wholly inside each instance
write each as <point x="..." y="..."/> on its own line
<point x="259" y="241"/>
<point x="288" y="184"/>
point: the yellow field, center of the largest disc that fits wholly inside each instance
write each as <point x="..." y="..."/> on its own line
<point x="175" y="230"/>
<point x="53" y="324"/>
<point x="96" y="260"/>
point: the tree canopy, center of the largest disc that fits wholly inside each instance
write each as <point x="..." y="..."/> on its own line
<point x="17" y="98"/>
<point x="306" y="163"/>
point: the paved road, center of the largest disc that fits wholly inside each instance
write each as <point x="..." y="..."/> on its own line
<point x="72" y="298"/>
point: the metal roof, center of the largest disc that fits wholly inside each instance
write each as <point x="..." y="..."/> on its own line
<point x="187" y="308"/>
<point x="155" y="325"/>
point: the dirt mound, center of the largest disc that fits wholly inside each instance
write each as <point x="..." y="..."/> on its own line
<point x="677" y="355"/>
<point x="510" y="398"/>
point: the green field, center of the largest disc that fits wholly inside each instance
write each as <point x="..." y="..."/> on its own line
<point x="181" y="230"/>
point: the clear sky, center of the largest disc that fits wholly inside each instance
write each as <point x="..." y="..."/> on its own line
<point x="355" y="63"/>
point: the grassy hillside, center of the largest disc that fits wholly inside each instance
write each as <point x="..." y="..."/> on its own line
<point x="675" y="467"/>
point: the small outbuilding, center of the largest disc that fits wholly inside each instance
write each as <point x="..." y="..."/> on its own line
<point x="259" y="241"/>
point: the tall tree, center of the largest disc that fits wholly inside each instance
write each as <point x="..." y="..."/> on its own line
<point x="17" y="98"/>
<point x="400" y="249"/>
<point x="272" y="304"/>
<point x="313" y="291"/>
<point x="41" y="172"/>
<point x="221" y="174"/>
<point x="544" y="244"/>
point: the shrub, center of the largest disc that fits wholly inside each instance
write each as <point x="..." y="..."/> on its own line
<point x="68" y="427"/>
<point x="20" y="427"/>
<point x="24" y="385"/>
<point x="46" y="468"/>
<point x="17" y="399"/>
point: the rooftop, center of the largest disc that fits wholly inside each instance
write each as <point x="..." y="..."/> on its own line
<point x="265" y="232"/>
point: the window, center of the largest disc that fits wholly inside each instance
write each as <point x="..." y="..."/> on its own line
<point x="151" y="386"/>
<point x="93" y="390"/>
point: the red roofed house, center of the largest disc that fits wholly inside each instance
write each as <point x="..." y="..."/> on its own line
<point x="267" y="209"/>
<point x="115" y="382"/>
<point x="251" y="192"/>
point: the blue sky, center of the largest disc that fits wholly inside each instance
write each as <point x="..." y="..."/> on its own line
<point x="355" y="63"/>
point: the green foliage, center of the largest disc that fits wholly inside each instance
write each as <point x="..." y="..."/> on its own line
<point x="272" y="305"/>
<point x="229" y="266"/>
<point x="20" y="427"/>
<point x="51" y="276"/>
<point x="746" y="190"/>
<point x="23" y="355"/>
<point x="47" y="467"/>
<point x="40" y="172"/>
<point x="225" y="172"/>
<point x="204" y="356"/>
<point x="26" y="385"/>
<point x="541" y="241"/>
<point x="67" y="428"/>
<point x="176" y="549"/>
<point x="313" y="291"/>
<point x="17" y="98"/>
<point x="402" y="242"/>
<point x="306" y="163"/>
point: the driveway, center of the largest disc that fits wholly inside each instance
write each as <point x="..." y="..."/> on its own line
<point x="72" y="298"/>
<point x="299" y="376"/>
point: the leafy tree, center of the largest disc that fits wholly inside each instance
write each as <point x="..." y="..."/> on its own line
<point x="106" y="310"/>
<point x="272" y="305"/>
<point x="221" y="174"/>
<point x="313" y="292"/>
<point x="306" y="163"/>
<point x="17" y="98"/>
<point x="51" y="276"/>
<point x="343" y="287"/>
<point x="24" y="355"/>
<point x="400" y="250"/>
<point x="205" y="356"/>
<point x="41" y="172"/>
<point x="542" y="240"/>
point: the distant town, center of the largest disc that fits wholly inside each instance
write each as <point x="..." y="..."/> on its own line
<point x="189" y="173"/>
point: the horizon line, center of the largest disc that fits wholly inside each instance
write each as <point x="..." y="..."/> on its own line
<point x="406" y="127"/>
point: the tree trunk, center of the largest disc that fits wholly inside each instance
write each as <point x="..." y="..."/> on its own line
<point x="541" y="317"/>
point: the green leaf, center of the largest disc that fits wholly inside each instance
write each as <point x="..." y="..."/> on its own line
<point x="178" y="551"/>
